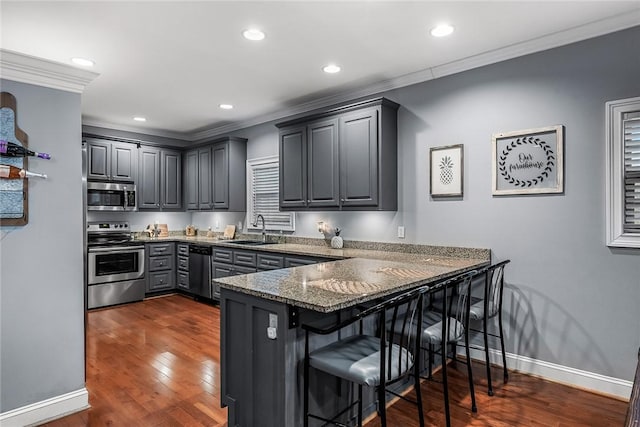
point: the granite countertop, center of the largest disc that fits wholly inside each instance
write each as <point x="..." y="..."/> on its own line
<point x="335" y="285"/>
<point x="352" y="275"/>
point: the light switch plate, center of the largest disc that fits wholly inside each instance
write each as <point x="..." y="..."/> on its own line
<point x="401" y="232"/>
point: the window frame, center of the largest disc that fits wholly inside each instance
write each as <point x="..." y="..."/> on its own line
<point x="251" y="165"/>
<point x="614" y="189"/>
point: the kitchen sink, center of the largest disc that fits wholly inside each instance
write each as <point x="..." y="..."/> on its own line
<point x="249" y="242"/>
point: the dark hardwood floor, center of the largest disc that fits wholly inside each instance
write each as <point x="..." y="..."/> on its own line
<point x="157" y="363"/>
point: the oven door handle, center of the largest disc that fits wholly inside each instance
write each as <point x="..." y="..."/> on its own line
<point x="117" y="249"/>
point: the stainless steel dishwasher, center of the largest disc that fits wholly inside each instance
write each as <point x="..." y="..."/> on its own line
<point x="200" y="270"/>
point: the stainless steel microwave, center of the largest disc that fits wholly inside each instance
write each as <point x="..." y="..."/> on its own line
<point x="111" y="196"/>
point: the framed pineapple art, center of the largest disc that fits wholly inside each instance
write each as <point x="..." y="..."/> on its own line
<point x="446" y="178"/>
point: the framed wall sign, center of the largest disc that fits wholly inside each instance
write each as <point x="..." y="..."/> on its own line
<point x="446" y="166"/>
<point x="528" y="161"/>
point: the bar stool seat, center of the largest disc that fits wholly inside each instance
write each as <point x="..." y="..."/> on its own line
<point x="357" y="359"/>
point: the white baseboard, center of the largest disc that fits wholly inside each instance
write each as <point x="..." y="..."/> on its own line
<point x="558" y="373"/>
<point x="46" y="410"/>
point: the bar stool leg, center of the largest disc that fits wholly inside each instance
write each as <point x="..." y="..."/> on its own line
<point x="504" y="356"/>
<point x="486" y="356"/>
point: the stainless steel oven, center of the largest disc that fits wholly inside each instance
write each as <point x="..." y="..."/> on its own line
<point x="115" y="265"/>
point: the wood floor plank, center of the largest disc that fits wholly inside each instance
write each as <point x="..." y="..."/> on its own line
<point x="157" y="363"/>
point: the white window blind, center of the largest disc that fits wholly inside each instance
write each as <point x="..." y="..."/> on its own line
<point x="623" y="173"/>
<point x="263" y="196"/>
<point x="631" y="128"/>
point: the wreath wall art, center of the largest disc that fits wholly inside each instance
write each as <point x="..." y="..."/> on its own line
<point x="528" y="161"/>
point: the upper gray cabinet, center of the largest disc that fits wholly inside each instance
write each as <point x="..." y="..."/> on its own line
<point x="215" y="175"/>
<point x="198" y="179"/>
<point x="111" y="160"/>
<point x="160" y="181"/>
<point x="343" y="158"/>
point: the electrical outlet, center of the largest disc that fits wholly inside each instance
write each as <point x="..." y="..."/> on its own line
<point x="217" y="224"/>
<point x="401" y="231"/>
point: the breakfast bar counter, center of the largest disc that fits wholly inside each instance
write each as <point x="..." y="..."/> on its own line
<point x="262" y="345"/>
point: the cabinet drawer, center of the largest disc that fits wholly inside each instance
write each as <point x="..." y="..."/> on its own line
<point x="244" y="258"/>
<point x="237" y="270"/>
<point x="161" y="249"/>
<point x="183" y="250"/>
<point x="161" y="280"/>
<point x="296" y="262"/>
<point x="159" y="263"/>
<point x="183" y="280"/>
<point x="223" y="255"/>
<point x="183" y="262"/>
<point x="269" y="262"/>
<point x="216" y="291"/>
<point x="221" y="270"/>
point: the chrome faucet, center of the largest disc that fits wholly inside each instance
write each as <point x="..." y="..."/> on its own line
<point x="264" y="232"/>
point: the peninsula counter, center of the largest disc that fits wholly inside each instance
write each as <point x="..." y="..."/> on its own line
<point x="262" y="345"/>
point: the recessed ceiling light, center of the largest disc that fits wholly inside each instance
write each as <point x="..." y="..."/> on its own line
<point x="331" y="69"/>
<point x="253" y="34"/>
<point x="140" y="119"/>
<point x="226" y="106"/>
<point x="442" y="30"/>
<point x="82" y="61"/>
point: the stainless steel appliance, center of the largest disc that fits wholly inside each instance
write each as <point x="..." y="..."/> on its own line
<point x="111" y="196"/>
<point x="200" y="270"/>
<point x="115" y="265"/>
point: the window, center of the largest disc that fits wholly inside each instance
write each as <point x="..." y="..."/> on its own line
<point x="263" y="196"/>
<point x="623" y="173"/>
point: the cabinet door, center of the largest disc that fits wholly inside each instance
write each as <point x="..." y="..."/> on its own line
<point x="293" y="167"/>
<point x="359" y="158"/>
<point x="124" y="161"/>
<point x="221" y="176"/>
<point x="191" y="178"/>
<point x="98" y="160"/>
<point x="204" y="178"/>
<point x="322" y="164"/>
<point x="171" y="173"/>
<point x="149" y="178"/>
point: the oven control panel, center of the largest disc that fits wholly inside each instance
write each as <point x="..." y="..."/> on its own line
<point x="111" y="226"/>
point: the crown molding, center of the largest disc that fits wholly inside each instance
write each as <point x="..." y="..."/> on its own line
<point x="90" y="121"/>
<point x="43" y="72"/>
<point x="561" y="38"/>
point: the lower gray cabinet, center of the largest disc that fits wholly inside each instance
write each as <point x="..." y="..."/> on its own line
<point x="182" y="275"/>
<point x="161" y="273"/>
<point x="296" y="261"/>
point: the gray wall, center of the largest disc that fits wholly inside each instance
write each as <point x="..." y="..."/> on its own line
<point x="41" y="264"/>
<point x="570" y="299"/>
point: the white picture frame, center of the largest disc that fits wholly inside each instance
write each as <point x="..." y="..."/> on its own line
<point x="528" y="161"/>
<point x="446" y="178"/>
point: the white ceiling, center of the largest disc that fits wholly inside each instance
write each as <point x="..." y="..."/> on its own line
<point x="175" y="62"/>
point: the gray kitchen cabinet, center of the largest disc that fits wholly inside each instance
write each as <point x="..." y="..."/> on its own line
<point x="160" y="178"/>
<point x="269" y="261"/>
<point x="198" y="179"/>
<point x="293" y="167"/>
<point x="149" y="180"/>
<point x="309" y="165"/>
<point x="229" y="157"/>
<point x="111" y="160"/>
<point x="160" y="266"/>
<point x="322" y="164"/>
<point x="300" y="260"/>
<point x="343" y="158"/>
<point x="182" y="258"/>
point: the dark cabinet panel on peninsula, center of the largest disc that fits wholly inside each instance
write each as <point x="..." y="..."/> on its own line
<point x="344" y="158"/>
